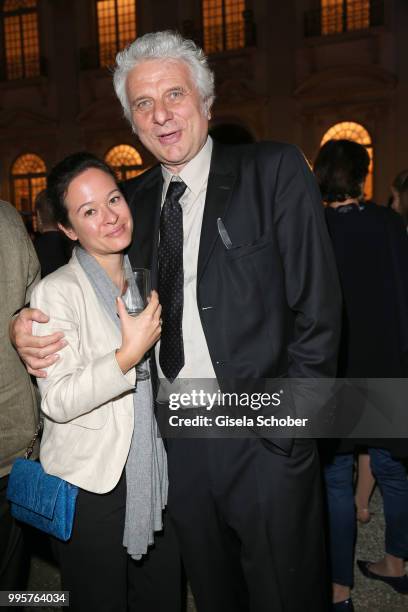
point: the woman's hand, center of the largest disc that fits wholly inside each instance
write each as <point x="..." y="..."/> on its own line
<point x="139" y="333"/>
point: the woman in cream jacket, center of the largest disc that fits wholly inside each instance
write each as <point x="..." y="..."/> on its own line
<point x="91" y="417"/>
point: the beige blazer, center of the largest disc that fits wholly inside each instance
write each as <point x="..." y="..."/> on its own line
<point x="86" y="399"/>
<point x="19" y="272"/>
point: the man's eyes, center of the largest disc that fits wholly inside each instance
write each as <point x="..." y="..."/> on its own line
<point x="143" y="105"/>
<point x="174" y="96"/>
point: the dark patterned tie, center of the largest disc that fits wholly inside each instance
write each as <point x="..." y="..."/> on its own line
<point x="171" y="281"/>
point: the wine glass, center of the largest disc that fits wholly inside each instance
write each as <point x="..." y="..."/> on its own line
<point x="135" y="299"/>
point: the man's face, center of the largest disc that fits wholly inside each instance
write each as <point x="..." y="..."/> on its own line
<point x="167" y="112"/>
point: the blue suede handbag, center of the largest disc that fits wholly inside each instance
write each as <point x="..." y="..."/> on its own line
<point x="39" y="499"/>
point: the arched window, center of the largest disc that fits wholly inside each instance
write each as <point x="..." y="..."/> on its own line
<point x="116" y="27"/>
<point x="21" y="44"/>
<point x="354" y="131"/>
<point x="125" y="160"/>
<point x="223" y="25"/>
<point x="28" y="179"/>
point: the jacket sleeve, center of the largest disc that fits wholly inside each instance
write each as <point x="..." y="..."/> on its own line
<point x="34" y="271"/>
<point x="74" y="386"/>
<point x="311" y="280"/>
<point x="398" y="241"/>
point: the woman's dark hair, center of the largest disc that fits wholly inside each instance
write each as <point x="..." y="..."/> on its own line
<point x="61" y="175"/>
<point x="44" y="210"/>
<point x="341" y="168"/>
<point x="400" y="183"/>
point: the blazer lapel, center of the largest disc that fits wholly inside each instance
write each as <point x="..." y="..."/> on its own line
<point x="145" y="206"/>
<point x="219" y="189"/>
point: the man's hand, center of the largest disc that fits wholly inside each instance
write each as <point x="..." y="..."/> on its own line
<point x="36" y="352"/>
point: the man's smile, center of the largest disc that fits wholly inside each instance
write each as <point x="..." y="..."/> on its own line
<point x="170" y="137"/>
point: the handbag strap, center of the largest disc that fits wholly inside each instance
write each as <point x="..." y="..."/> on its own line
<point x="30" y="447"/>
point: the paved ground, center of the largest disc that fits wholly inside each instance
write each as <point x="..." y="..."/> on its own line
<point x="369" y="596"/>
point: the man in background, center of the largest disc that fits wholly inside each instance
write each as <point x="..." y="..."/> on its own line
<point x="19" y="272"/>
<point x="50" y="244"/>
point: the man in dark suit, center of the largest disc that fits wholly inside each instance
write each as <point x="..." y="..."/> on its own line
<point x="238" y="247"/>
<point x="52" y="247"/>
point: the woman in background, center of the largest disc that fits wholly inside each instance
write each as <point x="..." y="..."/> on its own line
<point x="399" y="199"/>
<point x="371" y="249"/>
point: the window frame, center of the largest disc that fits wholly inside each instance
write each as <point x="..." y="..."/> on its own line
<point x="224" y="30"/>
<point x="345" y="16"/>
<point x="28" y="176"/>
<point x="19" y="12"/>
<point x="123" y="169"/>
<point x="118" y="45"/>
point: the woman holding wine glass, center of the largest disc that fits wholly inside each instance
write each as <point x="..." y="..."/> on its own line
<point x="100" y="432"/>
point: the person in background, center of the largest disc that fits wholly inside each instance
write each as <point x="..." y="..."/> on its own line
<point x="371" y="248"/>
<point x="365" y="484"/>
<point x="52" y="247"/>
<point x="399" y="198"/>
<point x="19" y="273"/>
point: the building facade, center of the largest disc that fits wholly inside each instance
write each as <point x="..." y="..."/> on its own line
<point x="298" y="71"/>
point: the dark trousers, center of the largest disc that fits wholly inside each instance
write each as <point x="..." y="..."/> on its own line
<point x="342" y="517"/>
<point x="391" y="477"/>
<point x="249" y="524"/>
<point x="14" y="560"/>
<point x="99" y="573"/>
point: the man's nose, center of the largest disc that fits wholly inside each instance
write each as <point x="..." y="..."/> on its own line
<point x="161" y="113"/>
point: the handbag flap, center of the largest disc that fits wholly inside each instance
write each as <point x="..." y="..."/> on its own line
<point x="29" y="486"/>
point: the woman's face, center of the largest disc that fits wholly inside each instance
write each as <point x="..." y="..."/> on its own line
<point x="99" y="215"/>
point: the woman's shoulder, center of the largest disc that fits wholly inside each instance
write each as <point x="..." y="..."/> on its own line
<point x="65" y="281"/>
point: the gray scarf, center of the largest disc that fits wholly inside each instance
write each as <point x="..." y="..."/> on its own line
<point x="146" y="465"/>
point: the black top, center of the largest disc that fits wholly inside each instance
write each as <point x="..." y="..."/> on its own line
<point x="371" y="250"/>
<point x="52" y="250"/>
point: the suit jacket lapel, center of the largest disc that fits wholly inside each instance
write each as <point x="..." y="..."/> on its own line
<point x="145" y="205"/>
<point x="219" y="189"/>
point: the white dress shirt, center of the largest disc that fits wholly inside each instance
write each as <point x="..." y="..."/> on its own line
<point x="197" y="360"/>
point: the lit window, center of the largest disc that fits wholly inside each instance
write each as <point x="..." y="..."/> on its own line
<point x="344" y="15"/>
<point x="116" y="27"/>
<point x="354" y="131"/>
<point x="21" y="45"/>
<point x="28" y="176"/>
<point x="358" y="14"/>
<point x="125" y="160"/>
<point x="223" y="23"/>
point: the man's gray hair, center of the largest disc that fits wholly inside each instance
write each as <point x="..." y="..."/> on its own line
<point x="165" y="45"/>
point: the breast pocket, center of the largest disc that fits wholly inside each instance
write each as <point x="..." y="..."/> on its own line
<point x="255" y="248"/>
